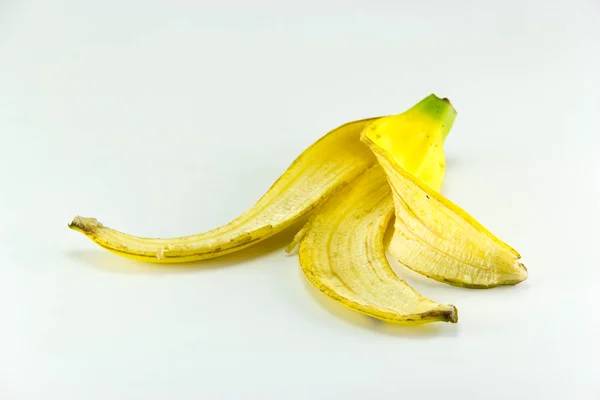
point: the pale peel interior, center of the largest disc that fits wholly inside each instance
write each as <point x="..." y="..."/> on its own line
<point x="341" y="248"/>
<point x="342" y="253"/>
<point x="331" y="162"/>
<point x="436" y="238"/>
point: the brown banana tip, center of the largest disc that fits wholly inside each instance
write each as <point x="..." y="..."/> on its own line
<point x="453" y="314"/>
<point x="447" y="312"/>
<point x="523" y="266"/>
<point x="444" y="99"/>
<point x="82" y="224"/>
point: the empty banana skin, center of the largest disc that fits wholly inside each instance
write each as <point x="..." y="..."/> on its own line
<point x="350" y="183"/>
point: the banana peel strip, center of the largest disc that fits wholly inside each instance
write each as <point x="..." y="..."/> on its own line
<point x="342" y="253"/>
<point x="330" y="163"/>
<point x="438" y="239"/>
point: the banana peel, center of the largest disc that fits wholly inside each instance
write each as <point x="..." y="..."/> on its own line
<point x="351" y="182"/>
<point x="432" y="235"/>
<point x="342" y="253"/>
<point x="330" y="163"/>
<point x="341" y="248"/>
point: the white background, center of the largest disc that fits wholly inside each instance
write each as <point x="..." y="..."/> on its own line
<point x="165" y="118"/>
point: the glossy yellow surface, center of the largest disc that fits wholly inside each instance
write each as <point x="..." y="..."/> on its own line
<point x="341" y="248"/>
<point x="416" y="138"/>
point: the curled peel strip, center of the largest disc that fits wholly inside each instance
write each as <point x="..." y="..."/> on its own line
<point x="331" y="162"/>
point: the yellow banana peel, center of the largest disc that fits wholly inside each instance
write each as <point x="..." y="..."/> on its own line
<point x="351" y="183"/>
<point x="432" y="235"/>
<point x="331" y="162"/>
<point x="342" y="253"/>
<point x="341" y="247"/>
